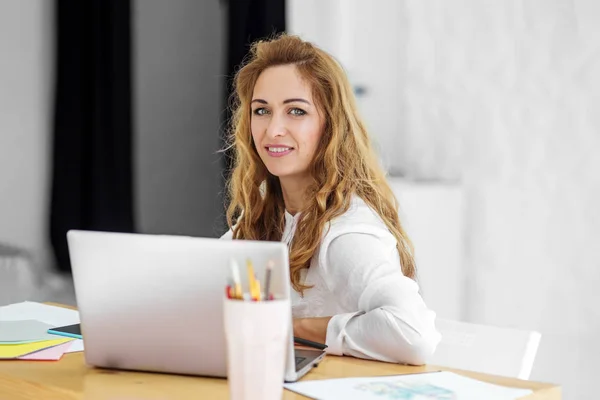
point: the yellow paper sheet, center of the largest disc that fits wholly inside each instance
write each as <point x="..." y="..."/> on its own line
<point x="18" y="350"/>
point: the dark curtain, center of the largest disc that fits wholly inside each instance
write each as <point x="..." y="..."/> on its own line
<point x="248" y="21"/>
<point x="92" y="143"/>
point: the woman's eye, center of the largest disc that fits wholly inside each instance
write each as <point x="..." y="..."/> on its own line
<point x="260" y="111"/>
<point x="297" y="112"/>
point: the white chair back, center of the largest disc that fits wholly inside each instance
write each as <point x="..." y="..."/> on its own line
<point x="488" y="349"/>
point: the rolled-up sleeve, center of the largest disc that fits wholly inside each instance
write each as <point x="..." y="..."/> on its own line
<point x="392" y="322"/>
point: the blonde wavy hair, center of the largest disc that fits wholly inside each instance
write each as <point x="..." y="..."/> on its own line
<point x="344" y="164"/>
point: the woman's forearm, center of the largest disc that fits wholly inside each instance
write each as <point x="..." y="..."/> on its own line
<point x="314" y="329"/>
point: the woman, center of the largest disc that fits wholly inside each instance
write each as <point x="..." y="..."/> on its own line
<point x="305" y="173"/>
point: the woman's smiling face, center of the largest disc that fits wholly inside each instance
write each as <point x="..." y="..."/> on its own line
<point x="286" y="124"/>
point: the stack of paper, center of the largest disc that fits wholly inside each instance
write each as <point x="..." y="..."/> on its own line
<point x="24" y="327"/>
<point x="28" y="338"/>
<point x="426" y="386"/>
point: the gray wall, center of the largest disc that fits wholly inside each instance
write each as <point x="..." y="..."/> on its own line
<point x="26" y="70"/>
<point x="179" y="58"/>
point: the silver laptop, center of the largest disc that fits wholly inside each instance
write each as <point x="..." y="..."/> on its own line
<point x="154" y="302"/>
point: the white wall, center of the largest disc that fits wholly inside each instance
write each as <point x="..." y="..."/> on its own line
<point x="530" y="77"/>
<point x="517" y="83"/>
<point x="26" y="80"/>
<point x="179" y="60"/>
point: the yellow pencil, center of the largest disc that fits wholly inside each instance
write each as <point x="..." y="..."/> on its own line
<point x="251" y="279"/>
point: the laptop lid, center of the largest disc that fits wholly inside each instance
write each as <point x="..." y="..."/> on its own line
<point x="154" y="302"/>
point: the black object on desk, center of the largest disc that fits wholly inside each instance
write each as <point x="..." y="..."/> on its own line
<point x="73" y="331"/>
<point x="310" y="343"/>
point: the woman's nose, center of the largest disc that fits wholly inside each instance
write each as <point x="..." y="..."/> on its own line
<point x="276" y="127"/>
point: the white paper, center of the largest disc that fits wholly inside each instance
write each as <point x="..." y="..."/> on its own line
<point x="426" y="386"/>
<point x="52" y="315"/>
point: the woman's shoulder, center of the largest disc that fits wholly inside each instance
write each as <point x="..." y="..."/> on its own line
<point x="359" y="218"/>
<point x="360" y="228"/>
<point x="358" y="212"/>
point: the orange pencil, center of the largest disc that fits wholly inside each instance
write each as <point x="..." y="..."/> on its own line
<point x="257" y="289"/>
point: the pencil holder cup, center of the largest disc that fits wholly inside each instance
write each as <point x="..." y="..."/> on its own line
<point x="257" y="338"/>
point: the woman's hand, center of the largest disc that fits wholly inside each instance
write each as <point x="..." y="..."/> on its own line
<point x="314" y="329"/>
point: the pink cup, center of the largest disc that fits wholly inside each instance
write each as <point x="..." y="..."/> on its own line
<point x="257" y="340"/>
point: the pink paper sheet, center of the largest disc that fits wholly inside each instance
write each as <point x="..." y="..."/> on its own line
<point x="49" y="354"/>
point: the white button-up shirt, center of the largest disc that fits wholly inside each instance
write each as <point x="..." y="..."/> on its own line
<point x="377" y="312"/>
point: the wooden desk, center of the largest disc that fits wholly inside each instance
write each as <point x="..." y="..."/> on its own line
<point x="70" y="379"/>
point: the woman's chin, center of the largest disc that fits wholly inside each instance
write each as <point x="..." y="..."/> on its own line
<point x="283" y="173"/>
<point x="278" y="173"/>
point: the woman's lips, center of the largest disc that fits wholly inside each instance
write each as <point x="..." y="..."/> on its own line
<point x="279" y="151"/>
